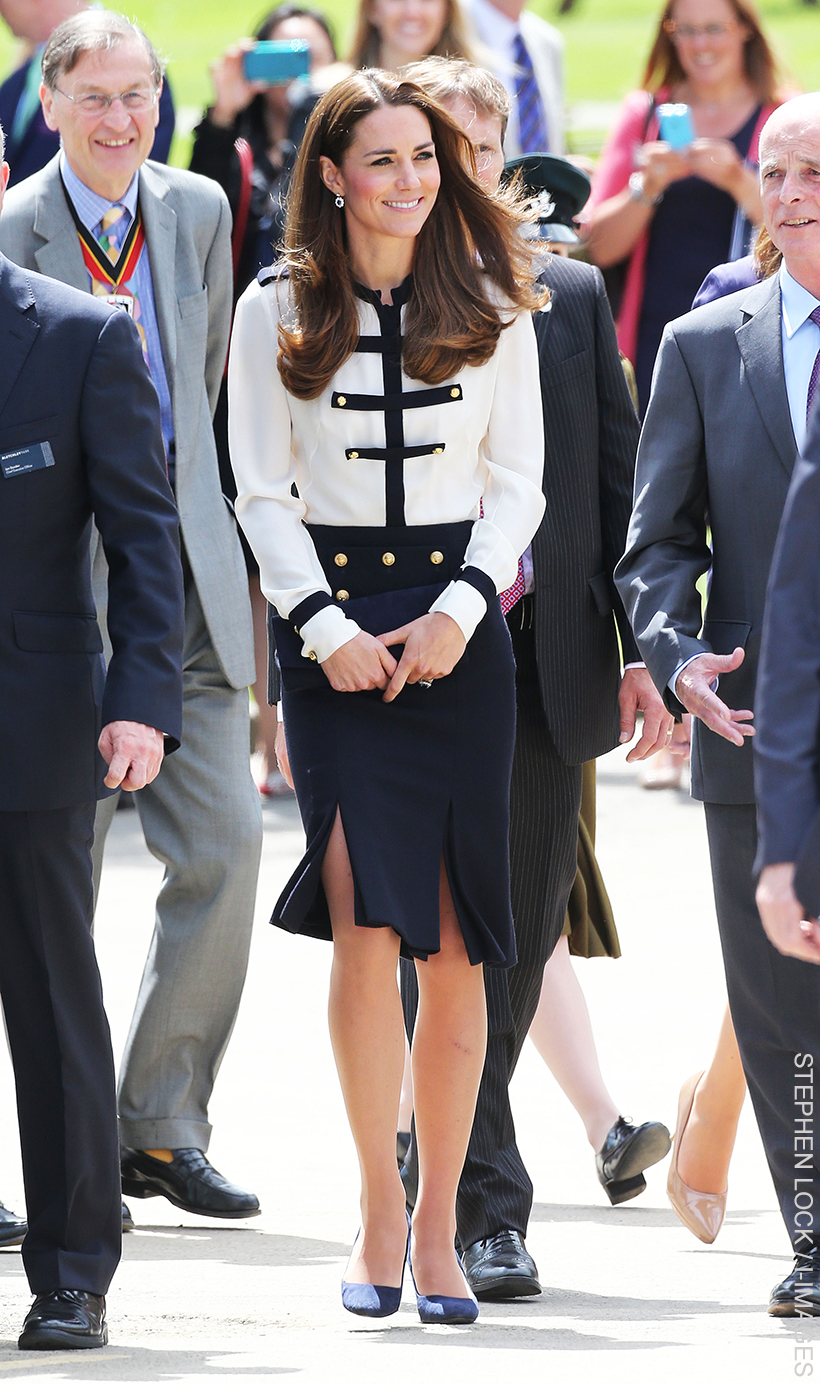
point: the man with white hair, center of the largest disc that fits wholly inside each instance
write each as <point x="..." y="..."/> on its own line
<point x="733" y="384"/>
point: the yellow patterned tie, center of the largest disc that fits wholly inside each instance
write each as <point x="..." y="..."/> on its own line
<point x="109" y="238"/>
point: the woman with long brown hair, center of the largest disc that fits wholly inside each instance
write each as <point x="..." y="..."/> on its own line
<point x="670" y="215"/>
<point x="391" y="33"/>
<point x="387" y="437"/>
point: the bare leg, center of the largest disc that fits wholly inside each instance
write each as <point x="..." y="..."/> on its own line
<point x="449" y="1045"/>
<point x="562" y="1034"/>
<point x="706" y="1151"/>
<point x="367" y="1033"/>
<point x="266" y="720"/>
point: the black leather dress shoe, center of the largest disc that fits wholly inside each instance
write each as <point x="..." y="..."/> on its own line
<point x="500" y="1268"/>
<point x="626" y="1151"/>
<point x="127" y="1219"/>
<point x="189" y="1182"/>
<point x="799" y="1294"/>
<point x="67" y="1319"/>
<point x="12" y="1228"/>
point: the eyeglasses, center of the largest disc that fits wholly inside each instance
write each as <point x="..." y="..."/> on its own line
<point x="685" y="32"/>
<point x="136" y="102"/>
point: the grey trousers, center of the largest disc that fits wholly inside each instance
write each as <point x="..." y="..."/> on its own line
<point x="775" y="1004"/>
<point x="201" y="817"/>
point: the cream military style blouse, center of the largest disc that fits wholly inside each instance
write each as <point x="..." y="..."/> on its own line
<point x="377" y="448"/>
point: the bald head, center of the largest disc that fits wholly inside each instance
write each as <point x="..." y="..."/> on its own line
<point x="794" y="124"/>
<point x="790" y="186"/>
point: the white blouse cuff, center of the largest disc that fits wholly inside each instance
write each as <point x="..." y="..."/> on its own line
<point x="463" y="604"/>
<point x="327" y="631"/>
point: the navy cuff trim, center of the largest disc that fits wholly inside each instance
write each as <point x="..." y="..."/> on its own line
<point x="307" y="608"/>
<point x="484" y="585"/>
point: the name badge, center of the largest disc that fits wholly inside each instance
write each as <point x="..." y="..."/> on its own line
<point x="122" y="300"/>
<point x="24" y="459"/>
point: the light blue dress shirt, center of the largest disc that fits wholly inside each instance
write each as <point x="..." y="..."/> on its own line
<point x="91" y="208"/>
<point x="801" y="342"/>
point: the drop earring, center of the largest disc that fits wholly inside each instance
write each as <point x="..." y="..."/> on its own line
<point x="340" y="201"/>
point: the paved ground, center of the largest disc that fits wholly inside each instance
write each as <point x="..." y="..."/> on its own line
<point x="628" y="1293"/>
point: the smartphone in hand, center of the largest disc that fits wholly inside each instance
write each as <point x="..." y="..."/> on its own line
<point x="277" y="63"/>
<point x="675" y="125"/>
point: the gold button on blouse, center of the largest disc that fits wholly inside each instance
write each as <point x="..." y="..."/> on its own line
<point x="388" y="559"/>
<point x="437" y="451"/>
<point x="436" y="557"/>
<point x="454" y="393"/>
<point x="342" y="595"/>
<point x="353" y="456"/>
<point x="340" y="559"/>
<point x="341" y="401"/>
<point x="312" y="656"/>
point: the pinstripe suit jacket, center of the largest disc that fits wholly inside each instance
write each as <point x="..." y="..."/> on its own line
<point x="591" y="436"/>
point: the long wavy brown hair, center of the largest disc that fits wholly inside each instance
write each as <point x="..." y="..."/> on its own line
<point x="455" y="40"/>
<point x="469" y="238"/>
<point x="663" y="68"/>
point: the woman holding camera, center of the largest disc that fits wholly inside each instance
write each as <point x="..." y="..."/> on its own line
<point x="666" y="216"/>
<point x="383" y="380"/>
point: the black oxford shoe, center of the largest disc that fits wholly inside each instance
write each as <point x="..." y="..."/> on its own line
<point x="67" y="1319"/>
<point x="626" y="1151"/>
<point x="13" y="1228"/>
<point x="499" y="1269"/>
<point x="189" y="1182"/>
<point x="799" y="1294"/>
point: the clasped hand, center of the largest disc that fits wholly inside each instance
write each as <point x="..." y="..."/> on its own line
<point x="715" y="160"/>
<point x="133" y="753"/>
<point x="787" y="927"/>
<point x="433" y="645"/>
<point x="694" y="689"/>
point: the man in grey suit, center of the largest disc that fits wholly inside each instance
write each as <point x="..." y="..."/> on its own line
<point x="727" y="414"/>
<point x="527" y="56"/>
<point x="155" y="241"/>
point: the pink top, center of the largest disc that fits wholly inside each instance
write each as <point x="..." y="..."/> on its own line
<point x="618" y="161"/>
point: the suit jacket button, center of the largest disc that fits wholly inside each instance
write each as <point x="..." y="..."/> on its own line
<point x="388" y="559"/>
<point x="455" y="393"/>
<point x="437" y="451"/>
<point x="312" y="656"/>
<point x="343" y="595"/>
<point x="340" y="559"/>
<point x="353" y="456"/>
<point x="436" y="558"/>
<point x="341" y="401"/>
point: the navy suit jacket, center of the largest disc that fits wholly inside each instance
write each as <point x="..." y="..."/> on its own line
<point x="725" y="279"/>
<point x="787" y="743"/>
<point x="72" y="375"/>
<point x="39" y="144"/>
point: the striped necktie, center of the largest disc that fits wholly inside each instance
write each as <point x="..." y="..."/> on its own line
<point x="815" y="370"/>
<point x="532" y="124"/>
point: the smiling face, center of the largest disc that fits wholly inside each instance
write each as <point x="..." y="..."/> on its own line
<point x="484" y="133"/>
<point x="790" y="187"/>
<point x="104" y="150"/>
<point x="408" y="29"/>
<point x="713" y="53"/>
<point x="389" y="176"/>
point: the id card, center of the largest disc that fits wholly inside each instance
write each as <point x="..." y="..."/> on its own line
<point x="121" y="300"/>
<point x="24" y="459"/>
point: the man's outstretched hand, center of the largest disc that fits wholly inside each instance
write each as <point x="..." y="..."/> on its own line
<point x="133" y="753"/>
<point x="694" y="688"/>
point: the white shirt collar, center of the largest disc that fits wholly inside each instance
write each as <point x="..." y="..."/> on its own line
<point x="797" y="303"/>
<point x="494" y="27"/>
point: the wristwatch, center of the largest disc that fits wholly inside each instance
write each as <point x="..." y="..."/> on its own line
<point x="636" y="192"/>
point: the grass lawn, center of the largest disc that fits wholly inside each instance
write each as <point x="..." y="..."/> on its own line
<point x="606" y="42"/>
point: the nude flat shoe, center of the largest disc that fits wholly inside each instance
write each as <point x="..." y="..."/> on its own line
<point x="701" y="1212"/>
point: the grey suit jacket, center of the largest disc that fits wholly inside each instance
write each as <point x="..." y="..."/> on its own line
<point x="187" y="231"/>
<point x="717" y="450"/>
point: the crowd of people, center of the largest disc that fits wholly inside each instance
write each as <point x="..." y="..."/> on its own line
<point x="453" y="476"/>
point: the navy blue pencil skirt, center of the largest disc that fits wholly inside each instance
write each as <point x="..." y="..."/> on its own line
<point x="424" y="776"/>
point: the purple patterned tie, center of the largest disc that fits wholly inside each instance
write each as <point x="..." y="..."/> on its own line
<point x="532" y="124"/>
<point x="815" y="370"/>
